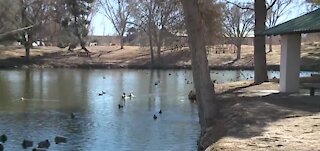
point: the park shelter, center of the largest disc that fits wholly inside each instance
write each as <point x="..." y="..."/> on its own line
<point x="290" y="33"/>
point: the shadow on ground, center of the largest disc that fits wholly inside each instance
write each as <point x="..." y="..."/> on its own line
<point x="247" y="117"/>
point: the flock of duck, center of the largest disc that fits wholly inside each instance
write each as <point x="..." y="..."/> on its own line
<point x="42" y="146"/>
<point x="124" y="97"/>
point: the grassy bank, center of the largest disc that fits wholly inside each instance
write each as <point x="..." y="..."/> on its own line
<point x="135" y="57"/>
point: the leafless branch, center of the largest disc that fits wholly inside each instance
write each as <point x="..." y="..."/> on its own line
<point x="239" y="6"/>
<point x="16" y="30"/>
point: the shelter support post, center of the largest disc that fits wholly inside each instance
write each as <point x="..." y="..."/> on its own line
<point x="290" y="63"/>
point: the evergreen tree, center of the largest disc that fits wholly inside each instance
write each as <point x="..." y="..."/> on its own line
<point x="76" y="20"/>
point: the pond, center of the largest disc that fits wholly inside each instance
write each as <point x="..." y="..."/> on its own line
<point x="36" y="105"/>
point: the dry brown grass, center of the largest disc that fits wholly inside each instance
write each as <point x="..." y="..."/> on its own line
<point x="135" y="55"/>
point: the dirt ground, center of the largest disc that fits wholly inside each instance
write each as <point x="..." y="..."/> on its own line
<point x="257" y="117"/>
<point x="135" y="56"/>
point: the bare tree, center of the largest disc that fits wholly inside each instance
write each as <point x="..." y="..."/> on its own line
<point x="118" y="12"/>
<point x="260" y="11"/>
<point x="157" y="19"/>
<point x="9" y="25"/>
<point x="196" y="12"/>
<point x="279" y="9"/>
<point x="35" y="14"/>
<point x="238" y="24"/>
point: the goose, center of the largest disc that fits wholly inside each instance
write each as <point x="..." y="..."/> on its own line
<point x="60" y="139"/>
<point x="154" y="117"/>
<point x="3" y="138"/>
<point x="26" y="143"/>
<point x="44" y="144"/>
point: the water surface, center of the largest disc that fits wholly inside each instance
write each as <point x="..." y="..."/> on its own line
<point x="50" y="95"/>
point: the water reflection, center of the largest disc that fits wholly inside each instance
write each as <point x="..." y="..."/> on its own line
<point x="51" y="95"/>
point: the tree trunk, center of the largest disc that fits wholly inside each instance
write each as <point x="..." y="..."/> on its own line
<point x="121" y="42"/>
<point x="201" y="74"/>
<point x="27" y="55"/>
<point x="238" y="51"/>
<point x="270" y="44"/>
<point x="159" y="53"/>
<point x="83" y="46"/>
<point x="27" y="46"/>
<point x="159" y="45"/>
<point x="150" y="43"/>
<point x="260" y="65"/>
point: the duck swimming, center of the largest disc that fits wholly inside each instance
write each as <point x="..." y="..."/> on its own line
<point x="26" y="143"/>
<point x="131" y="95"/>
<point x="3" y="138"/>
<point x="60" y="139"/>
<point x="72" y="115"/>
<point x="44" y="144"/>
<point x="123" y="96"/>
<point x="154" y="117"/>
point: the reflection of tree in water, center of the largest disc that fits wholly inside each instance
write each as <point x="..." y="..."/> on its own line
<point x="5" y="91"/>
<point x="150" y="90"/>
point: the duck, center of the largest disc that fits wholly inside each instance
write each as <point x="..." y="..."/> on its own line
<point x="1" y="147"/>
<point x="72" y="115"/>
<point x="120" y="106"/>
<point x="22" y="99"/>
<point x="44" y="144"/>
<point x="60" y="139"/>
<point x="123" y="96"/>
<point x="103" y="92"/>
<point x="3" y="138"/>
<point x="100" y="94"/>
<point x="26" y="143"/>
<point x="131" y="95"/>
<point x="160" y="112"/>
<point x="154" y="117"/>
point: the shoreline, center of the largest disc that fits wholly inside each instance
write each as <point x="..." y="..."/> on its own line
<point x="135" y="57"/>
<point x="19" y="65"/>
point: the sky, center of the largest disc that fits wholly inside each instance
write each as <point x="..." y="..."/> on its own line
<point x="102" y="26"/>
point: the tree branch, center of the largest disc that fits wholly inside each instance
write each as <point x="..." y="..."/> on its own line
<point x="16" y="30"/>
<point x="270" y="6"/>
<point x="239" y="6"/>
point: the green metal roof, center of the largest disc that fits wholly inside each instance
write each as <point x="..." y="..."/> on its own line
<point x="308" y="23"/>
